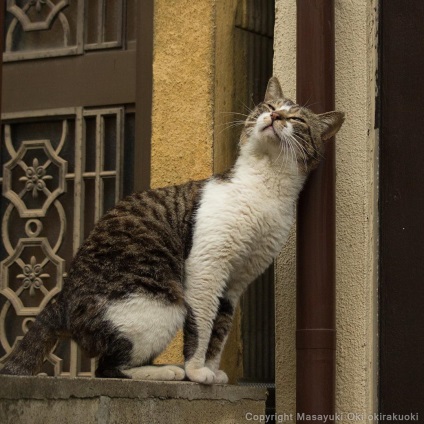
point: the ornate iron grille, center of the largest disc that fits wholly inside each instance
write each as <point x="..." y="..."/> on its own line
<point x="50" y="28"/>
<point x="61" y="170"/>
<point x="63" y="166"/>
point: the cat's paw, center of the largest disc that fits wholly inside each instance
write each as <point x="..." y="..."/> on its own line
<point x="155" y="372"/>
<point x="201" y="375"/>
<point x="174" y="372"/>
<point x="221" y="377"/>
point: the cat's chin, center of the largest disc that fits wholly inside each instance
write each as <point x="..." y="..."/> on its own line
<point x="270" y="133"/>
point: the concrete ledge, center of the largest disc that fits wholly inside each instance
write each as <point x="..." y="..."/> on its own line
<point x="45" y="400"/>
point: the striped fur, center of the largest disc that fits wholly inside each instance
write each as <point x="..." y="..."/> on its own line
<point x="181" y="256"/>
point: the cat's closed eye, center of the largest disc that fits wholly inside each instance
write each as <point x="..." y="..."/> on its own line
<point x="297" y="118"/>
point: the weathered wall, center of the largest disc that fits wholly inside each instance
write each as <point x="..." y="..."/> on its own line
<point x="356" y="210"/>
<point x="356" y="205"/>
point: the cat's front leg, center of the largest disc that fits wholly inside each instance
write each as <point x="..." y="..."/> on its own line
<point x="203" y="302"/>
<point x="197" y="333"/>
<point x="224" y="318"/>
<point x="220" y="331"/>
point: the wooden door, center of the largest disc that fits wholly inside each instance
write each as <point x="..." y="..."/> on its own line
<point x="401" y="311"/>
<point x="72" y="71"/>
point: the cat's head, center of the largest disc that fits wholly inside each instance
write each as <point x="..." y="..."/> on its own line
<point x="290" y="133"/>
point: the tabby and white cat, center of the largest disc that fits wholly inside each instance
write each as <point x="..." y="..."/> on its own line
<point x="181" y="256"/>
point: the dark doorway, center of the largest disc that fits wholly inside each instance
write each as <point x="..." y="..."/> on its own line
<point x="401" y="315"/>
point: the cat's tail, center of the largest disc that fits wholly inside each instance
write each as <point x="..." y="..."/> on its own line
<point x="28" y="357"/>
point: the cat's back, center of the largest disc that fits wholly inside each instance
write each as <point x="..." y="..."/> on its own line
<point x="138" y="244"/>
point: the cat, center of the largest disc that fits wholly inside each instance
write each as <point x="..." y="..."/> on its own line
<point x="181" y="256"/>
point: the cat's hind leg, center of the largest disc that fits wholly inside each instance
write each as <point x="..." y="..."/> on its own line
<point x="149" y="325"/>
<point x="117" y="356"/>
<point x="156" y="372"/>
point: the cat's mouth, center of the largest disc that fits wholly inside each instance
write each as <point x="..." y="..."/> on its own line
<point x="270" y="131"/>
<point x="270" y="127"/>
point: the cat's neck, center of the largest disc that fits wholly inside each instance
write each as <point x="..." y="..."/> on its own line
<point x="273" y="169"/>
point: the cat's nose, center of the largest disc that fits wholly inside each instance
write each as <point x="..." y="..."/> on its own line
<point x="275" y="116"/>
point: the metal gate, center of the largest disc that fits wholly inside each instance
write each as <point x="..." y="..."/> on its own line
<point x="69" y="102"/>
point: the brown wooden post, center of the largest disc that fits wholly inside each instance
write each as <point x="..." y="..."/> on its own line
<point x="315" y="392"/>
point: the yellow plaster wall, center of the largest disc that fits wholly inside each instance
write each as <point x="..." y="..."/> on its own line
<point x="182" y="113"/>
<point x="193" y="89"/>
<point x="356" y="216"/>
<point x="182" y="117"/>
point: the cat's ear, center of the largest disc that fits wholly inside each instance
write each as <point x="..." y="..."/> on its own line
<point x="331" y="123"/>
<point x="273" y="90"/>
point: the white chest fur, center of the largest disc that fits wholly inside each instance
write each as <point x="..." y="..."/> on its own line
<point x="243" y="223"/>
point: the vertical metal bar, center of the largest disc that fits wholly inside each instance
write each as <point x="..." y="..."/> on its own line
<point x="74" y="365"/>
<point x="98" y="184"/>
<point x="101" y="12"/>
<point x="257" y="97"/>
<point x="2" y="318"/>
<point x="80" y="27"/>
<point x="143" y="101"/>
<point x="120" y="23"/>
<point x="78" y="181"/>
<point x="78" y="211"/>
<point x="250" y="69"/>
<point x="120" y="124"/>
<point x="315" y="393"/>
<point x="266" y="325"/>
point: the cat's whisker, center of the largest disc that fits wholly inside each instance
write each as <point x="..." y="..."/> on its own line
<point x="238" y="121"/>
<point x="234" y="113"/>
<point x="308" y="105"/>
<point x="229" y="125"/>
<point x="288" y="157"/>
<point x="282" y="148"/>
<point x="284" y="162"/>
<point x="293" y="155"/>
<point x="225" y="129"/>
<point x="299" y="145"/>
<point x="302" y="150"/>
<point x="279" y="154"/>
<point x="317" y="152"/>
<point x="232" y="123"/>
<point x="248" y="109"/>
<point x="295" y="158"/>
